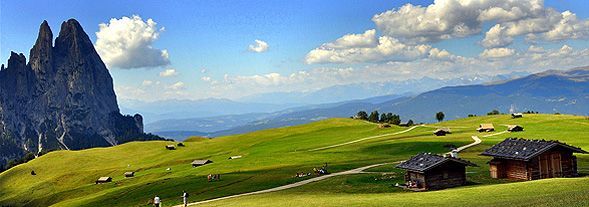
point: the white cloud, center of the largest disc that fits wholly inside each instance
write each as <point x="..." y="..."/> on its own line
<point x="367" y="39"/>
<point x="445" y="19"/>
<point x="128" y="43"/>
<point x="496" y="37"/>
<point x="206" y="78"/>
<point x="497" y="52"/>
<point x="147" y="83"/>
<point x="259" y="46"/>
<point x="569" y="27"/>
<point x="168" y="72"/>
<point x="177" y="86"/>
<point x="203" y="70"/>
<point x="535" y="49"/>
<point x="386" y="49"/>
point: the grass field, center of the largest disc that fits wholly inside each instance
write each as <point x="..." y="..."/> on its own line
<point x="272" y="157"/>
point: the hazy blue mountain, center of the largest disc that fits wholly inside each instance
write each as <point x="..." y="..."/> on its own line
<point x="205" y="124"/>
<point x="341" y="93"/>
<point x="189" y="109"/>
<point x="547" y="92"/>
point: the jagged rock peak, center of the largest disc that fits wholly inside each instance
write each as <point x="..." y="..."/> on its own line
<point x="42" y="50"/>
<point x="73" y="39"/>
<point x="16" y="60"/>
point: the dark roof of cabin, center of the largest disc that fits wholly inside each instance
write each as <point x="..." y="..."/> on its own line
<point x="525" y="149"/>
<point x="426" y="161"/>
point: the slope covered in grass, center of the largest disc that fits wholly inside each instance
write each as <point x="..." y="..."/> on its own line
<point x="270" y="158"/>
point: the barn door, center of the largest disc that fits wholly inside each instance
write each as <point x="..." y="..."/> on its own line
<point x="545" y="168"/>
<point x="556" y="165"/>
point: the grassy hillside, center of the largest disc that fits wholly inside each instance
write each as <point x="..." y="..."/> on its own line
<point x="272" y="157"/>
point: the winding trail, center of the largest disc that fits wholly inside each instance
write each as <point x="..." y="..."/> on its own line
<point x="359" y="170"/>
<point x="293" y="185"/>
<point x="365" y="138"/>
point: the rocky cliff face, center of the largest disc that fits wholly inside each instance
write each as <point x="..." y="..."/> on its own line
<point x="62" y="99"/>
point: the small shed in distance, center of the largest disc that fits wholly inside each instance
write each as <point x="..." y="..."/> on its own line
<point x="235" y="157"/>
<point x="517" y="115"/>
<point x="442" y="131"/>
<point x="170" y="147"/>
<point x="103" y="180"/>
<point x="515" y="128"/>
<point x="129" y="174"/>
<point x="532" y="159"/>
<point x="197" y="163"/>
<point x="429" y="171"/>
<point x="486" y="128"/>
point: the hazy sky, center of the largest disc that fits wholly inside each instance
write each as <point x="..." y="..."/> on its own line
<point x="230" y="49"/>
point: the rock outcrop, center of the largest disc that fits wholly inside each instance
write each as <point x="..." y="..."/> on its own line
<point x="62" y="99"/>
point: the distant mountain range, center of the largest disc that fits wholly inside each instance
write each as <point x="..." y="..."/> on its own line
<point x="190" y="109"/>
<point x="554" y="91"/>
<point x="342" y="93"/>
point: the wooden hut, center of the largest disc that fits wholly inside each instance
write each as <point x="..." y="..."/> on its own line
<point x="197" y="163"/>
<point x="129" y="174"/>
<point x="517" y="115"/>
<point x="382" y="126"/>
<point x="532" y="159"/>
<point x="180" y="144"/>
<point x="104" y="180"/>
<point x="170" y="147"/>
<point x="515" y="128"/>
<point x="235" y="157"/>
<point x="442" y="131"/>
<point x="486" y="128"/>
<point x="428" y="171"/>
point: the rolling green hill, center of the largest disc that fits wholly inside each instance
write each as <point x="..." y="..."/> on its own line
<point x="270" y="158"/>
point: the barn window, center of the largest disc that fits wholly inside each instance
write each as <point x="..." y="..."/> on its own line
<point x="445" y="174"/>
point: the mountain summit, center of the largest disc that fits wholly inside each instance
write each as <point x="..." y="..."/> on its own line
<point x="63" y="98"/>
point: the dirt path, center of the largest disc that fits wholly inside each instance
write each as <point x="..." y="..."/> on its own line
<point x="365" y="138"/>
<point x="293" y="185"/>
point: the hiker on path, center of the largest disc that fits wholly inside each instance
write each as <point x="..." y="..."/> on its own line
<point x="185" y="198"/>
<point x="156" y="201"/>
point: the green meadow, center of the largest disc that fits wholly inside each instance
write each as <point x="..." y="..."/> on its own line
<point x="271" y="158"/>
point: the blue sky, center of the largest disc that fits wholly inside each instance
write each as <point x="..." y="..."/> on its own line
<point x="207" y="43"/>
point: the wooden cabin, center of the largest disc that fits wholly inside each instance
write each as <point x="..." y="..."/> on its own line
<point x="104" y="180"/>
<point x="170" y="147"/>
<point x="442" y="131"/>
<point x="525" y="159"/>
<point x="486" y="128"/>
<point x="515" y="128"/>
<point x="517" y="115"/>
<point x="429" y="171"/>
<point x="197" y="163"/>
<point x="180" y="144"/>
<point x="129" y="174"/>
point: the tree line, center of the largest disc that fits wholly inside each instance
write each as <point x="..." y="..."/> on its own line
<point x="377" y="117"/>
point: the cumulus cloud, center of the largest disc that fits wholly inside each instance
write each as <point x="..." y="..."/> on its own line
<point x="177" y="86"/>
<point x="147" y="83"/>
<point x="445" y="19"/>
<point x="127" y="43"/>
<point x="367" y="39"/>
<point x="206" y="78"/>
<point x="358" y="50"/>
<point x="569" y="27"/>
<point x="168" y="72"/>
<point x="259" y="46"/>
<point x="497" y="52"/>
